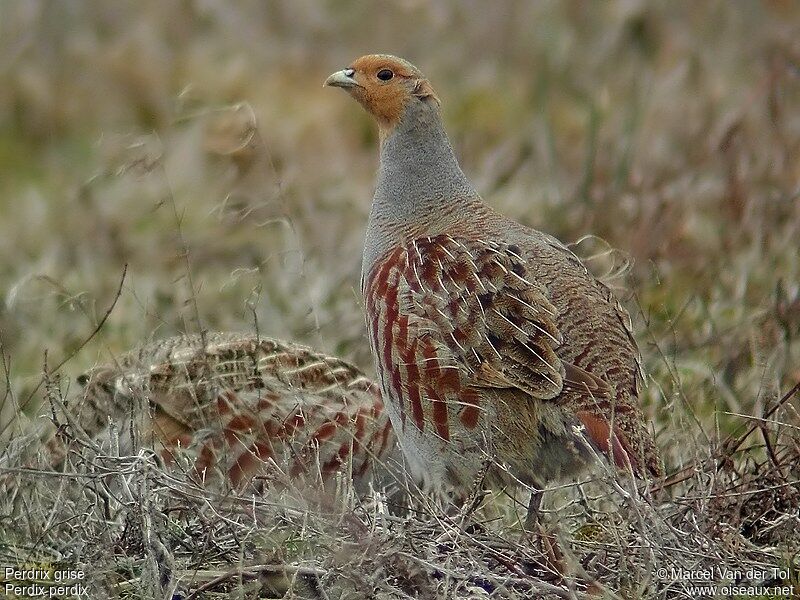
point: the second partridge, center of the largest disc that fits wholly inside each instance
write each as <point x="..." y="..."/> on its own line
<point x="240" y="410"/>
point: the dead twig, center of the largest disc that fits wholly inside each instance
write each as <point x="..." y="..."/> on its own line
<point x="251" y="573"/>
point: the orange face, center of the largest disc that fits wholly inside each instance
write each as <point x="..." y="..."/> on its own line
<point x="384" y="85"/>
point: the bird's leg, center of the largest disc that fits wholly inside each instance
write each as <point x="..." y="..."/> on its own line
<point x="477" y="500"/>
<point x="473" y="502"/>
<point x="532" y="518"/>
<point x="546" y="541"/>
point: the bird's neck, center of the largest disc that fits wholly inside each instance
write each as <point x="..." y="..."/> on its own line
<point x="419" y="172"/>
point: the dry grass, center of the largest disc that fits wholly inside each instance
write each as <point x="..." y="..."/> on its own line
<point x="193" y="143"/>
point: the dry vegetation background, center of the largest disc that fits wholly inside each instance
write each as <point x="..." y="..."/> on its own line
<point x="194" y="143"/>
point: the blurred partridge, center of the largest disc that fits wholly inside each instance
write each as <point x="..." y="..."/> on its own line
<point x="246" y="409"/>
<point x="495" y="347"/>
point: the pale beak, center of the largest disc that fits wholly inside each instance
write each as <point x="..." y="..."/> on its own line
<point x="342" y="79"/>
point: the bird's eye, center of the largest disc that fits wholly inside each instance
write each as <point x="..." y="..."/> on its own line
<point x="385" y="74"/>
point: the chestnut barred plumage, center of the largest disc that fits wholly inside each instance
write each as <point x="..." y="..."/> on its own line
<point x="239" y="410"/>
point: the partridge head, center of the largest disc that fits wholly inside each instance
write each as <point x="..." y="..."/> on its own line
<point x="384" y="85"/>
<point x="496" y="350"/>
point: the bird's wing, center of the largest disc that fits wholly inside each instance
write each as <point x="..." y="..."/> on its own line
<point x="473" y="299"/>
<point x="622" y="315"/>
<point x="618" y="411"/>
<point x="448" y="317"/>
<point x="478" y="322"/>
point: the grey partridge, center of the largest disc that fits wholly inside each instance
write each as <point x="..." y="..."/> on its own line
<point x="495" y="347"/>
<point x="242" y="408"/>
